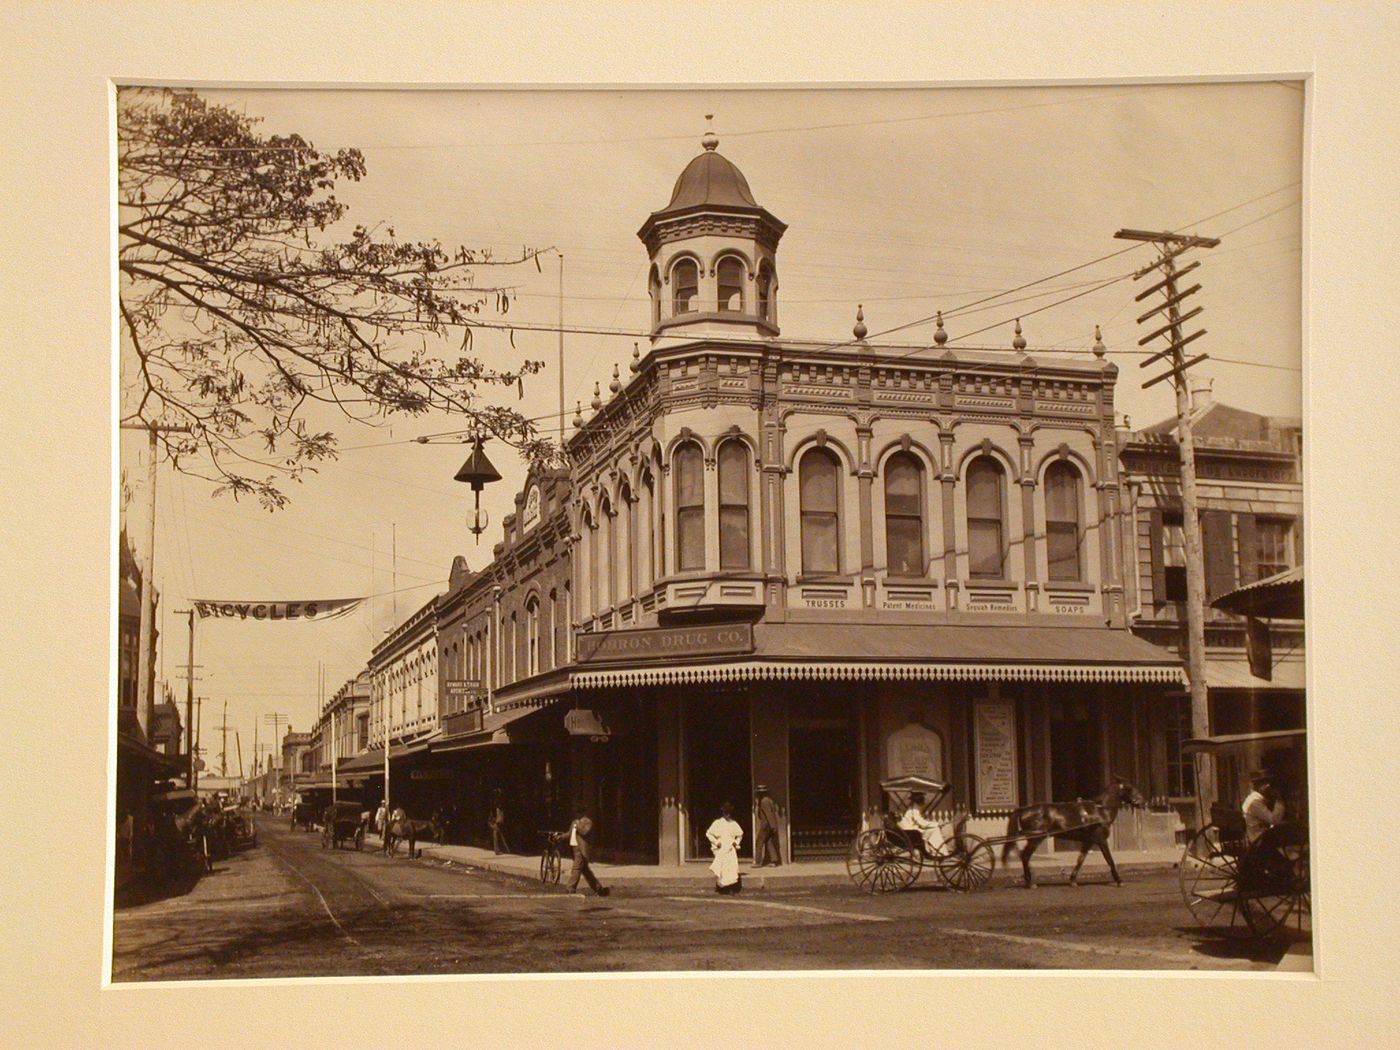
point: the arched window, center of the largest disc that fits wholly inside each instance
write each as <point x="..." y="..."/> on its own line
<point x="654" y="290"/>
<point x="819" y="480"/>
<point x="685" y="286"/>
<point x="986" y="536"/>
<point x="1062" y="534"/>
<point x="730" y="277"/>
<point x="904" y="515"/>
<point x="765" y="289"/>
<point x="607" y="553"/>
<point x="648" y="555"/>
<point x="690" y="507"/>
<point x="623" y="561"/>
<point x="532" y="636"/>
<point x="595" y="563"/>
<point x="733" y="505"/>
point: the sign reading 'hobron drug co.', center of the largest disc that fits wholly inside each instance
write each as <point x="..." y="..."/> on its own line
<point x="665" y="643"/>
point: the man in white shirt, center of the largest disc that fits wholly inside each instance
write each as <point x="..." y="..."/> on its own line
<point x="1262" y="808"/>
<point x="914" y="819"/>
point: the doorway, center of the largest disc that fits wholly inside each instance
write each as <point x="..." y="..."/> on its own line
<point x="822" y="759"/>
<point x="716" y="767"/>
<point x="1076" y="762"/>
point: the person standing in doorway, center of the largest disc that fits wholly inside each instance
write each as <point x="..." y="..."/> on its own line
<point x="497" y="823"/>
<point x="725" y="834"/>
<point x="579" y="832"/>
<point x="766" y="831"/>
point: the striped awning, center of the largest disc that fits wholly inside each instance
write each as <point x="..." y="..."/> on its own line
<point x="913" y="652"/>
<point x="772" y="670"/>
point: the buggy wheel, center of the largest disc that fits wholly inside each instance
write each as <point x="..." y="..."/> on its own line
<point x="1274" y="891"/>
<point x="549" y="866"/>
<point x="1210" y="877"/>
<point x="879" y="862"/>
<point x="965" y="862"/>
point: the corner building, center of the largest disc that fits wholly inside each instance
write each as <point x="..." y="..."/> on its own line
<point x="817" y="566"/>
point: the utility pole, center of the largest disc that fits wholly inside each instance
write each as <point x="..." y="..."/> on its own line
<point x="145" y="695"/>
<point x="561" y="350"/>
<point x="223" y="751"/>
<point x="1172" y="246"/>
<point x="238" y="743"/>
<point x="189" y="702"/>
<point x="276" y="720"/>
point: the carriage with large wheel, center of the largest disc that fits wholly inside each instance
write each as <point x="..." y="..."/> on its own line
<point x="1241" y="888"/>
<point x="343" y="822"/>
<point x="886" y="857"/>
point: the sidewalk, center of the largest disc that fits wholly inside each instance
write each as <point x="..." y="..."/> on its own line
<point x="695" y="875"/>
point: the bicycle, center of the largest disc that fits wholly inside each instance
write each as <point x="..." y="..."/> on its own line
<point x="551" y="856"/>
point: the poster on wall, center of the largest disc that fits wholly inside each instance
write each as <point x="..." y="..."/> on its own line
<point x="994" y="737"/>
<point x="915" y="750"/>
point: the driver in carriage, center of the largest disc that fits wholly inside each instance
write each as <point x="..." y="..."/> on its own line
<point x="915" y="819"/>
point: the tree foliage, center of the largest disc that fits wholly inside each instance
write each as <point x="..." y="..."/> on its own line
<point x="247" y="301"/>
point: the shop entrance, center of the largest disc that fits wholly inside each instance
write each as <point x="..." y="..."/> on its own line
<point x="1076" y="761"/>
<point x="822" y="759"/>
<point x="717" y="768"/>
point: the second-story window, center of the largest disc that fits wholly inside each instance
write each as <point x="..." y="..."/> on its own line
<point x="733" y="505"/>
<point x="986" y="533"/>
<point x="688" y="465"/>
<point x="1063" y="536"/>
<point x="1173" y="558"/>
<point x="765" y="289"/>
<point x="685" y="286"/>
<point x="904" y="514"/>
<point x="729" y="276"/>
<point x="819" y="480"/>
<point x="532" y="636"/>
<point x="625" y="544"/>
<point x="1273" y="538"/>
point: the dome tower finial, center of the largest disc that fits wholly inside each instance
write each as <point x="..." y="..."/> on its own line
<point x="711" y="140"/>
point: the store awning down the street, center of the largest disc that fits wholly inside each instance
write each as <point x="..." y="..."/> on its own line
<point x="1280" y="596"/>
<point x="825" y="652"/>
<point x="494" y="732"/>
<point x="374" y="760"/>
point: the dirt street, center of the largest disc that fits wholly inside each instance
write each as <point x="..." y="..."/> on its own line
<point x="288" y="908"/>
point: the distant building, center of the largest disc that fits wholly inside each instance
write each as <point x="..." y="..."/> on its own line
<point x="1250" y="494"/>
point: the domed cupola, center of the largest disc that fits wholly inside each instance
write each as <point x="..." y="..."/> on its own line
<point x="713" y="254"/>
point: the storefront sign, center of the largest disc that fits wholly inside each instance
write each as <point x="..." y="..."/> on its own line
<point x="915" y="750"/>
<point x="430" y="774"/>
<point x="582" y="721"/>
<point x="664" y="643"/>
<point x="318" y="609"/>
<point x="467" y="690"/>
<point x="994" y="736"/>
<point x="462" y="722"/>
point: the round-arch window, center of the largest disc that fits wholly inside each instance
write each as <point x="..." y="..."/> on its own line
<point x="654" y="290"/>
<point x="904" y="519"/>
<point x="986" y="535"/>
<point x="685" y="283"/>
<point x="818" y="485"/>
<point x="1062" y="533"/>
<point x="730" y="275"/>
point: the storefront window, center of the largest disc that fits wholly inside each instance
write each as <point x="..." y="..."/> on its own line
<point x="986" y="535"/>
<point x="733" y="505"/>
<point x="690" y="508"/>
<point x="1062" y="534"/>
<point x="819" y="478"/>
<point x="904" y="520"/>
<point x="1180" y="779"/>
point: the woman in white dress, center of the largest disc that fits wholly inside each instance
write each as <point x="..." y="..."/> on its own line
<point x="725" y="834"/>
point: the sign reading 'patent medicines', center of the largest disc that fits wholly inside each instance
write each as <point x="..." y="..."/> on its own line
<point x="994" y="731"/>
<point x="665" y="643"/>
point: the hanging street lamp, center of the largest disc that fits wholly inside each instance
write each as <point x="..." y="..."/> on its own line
<point x="477" y="471"/>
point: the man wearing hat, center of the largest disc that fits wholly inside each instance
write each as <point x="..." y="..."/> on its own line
<point x="1262" y="808"/>
<point x="766" y="834"/>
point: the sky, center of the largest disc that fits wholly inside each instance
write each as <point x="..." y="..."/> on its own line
<point x="903" y="201"/>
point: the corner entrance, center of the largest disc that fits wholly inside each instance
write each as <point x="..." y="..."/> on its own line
<point x="716" y="768"/>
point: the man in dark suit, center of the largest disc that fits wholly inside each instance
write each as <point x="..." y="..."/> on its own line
<point x="766" y="833"/>
<point x="579" y="832"/>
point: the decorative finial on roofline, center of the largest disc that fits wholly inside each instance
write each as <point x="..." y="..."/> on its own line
<point x="860" y="330"/>
<point x="711" y="140"/>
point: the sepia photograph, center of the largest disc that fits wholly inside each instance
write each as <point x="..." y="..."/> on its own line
<point x="665" y="529"/>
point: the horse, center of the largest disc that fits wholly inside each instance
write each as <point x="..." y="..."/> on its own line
<point x="1085" y="821"/>
<point x="400" y="826"/>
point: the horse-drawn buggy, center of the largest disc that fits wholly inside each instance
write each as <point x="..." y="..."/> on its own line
<point x="307" y="810"/>
<point x="343" y="822"/>
<point x="890" y="857"/>
<point x="1229" y="883"/>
